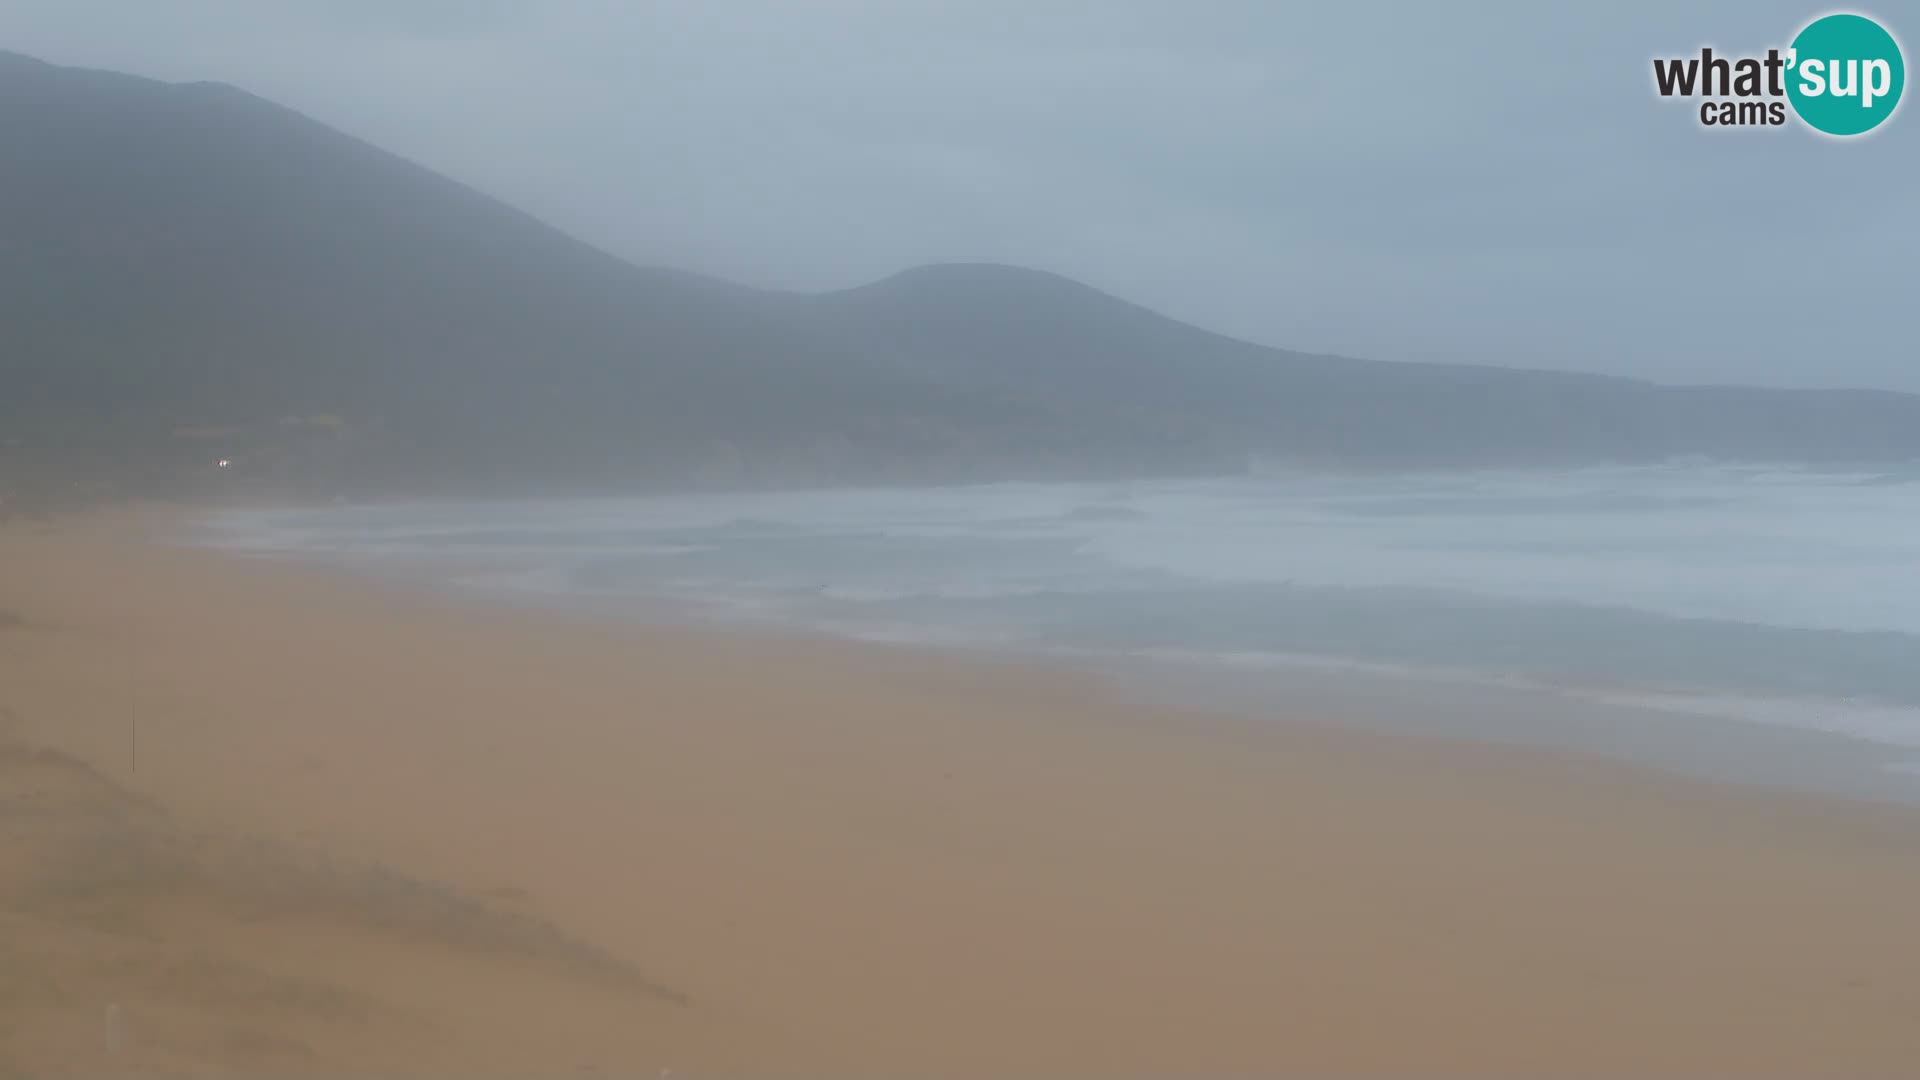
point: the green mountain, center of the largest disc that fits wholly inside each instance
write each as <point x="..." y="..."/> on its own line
<point x="190" y="273"/>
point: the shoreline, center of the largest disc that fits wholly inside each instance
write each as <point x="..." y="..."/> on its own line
<point x="1675" y="732"/>
<point x="834" y="859"/>
<point x="1686" y="745"/>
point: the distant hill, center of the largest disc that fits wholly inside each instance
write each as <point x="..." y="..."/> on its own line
<point x="188" y="272"/>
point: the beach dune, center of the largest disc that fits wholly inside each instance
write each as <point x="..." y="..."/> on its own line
<point x="260" y="818"/>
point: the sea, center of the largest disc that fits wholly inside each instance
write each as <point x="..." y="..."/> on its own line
<point x="1747" y="624"/>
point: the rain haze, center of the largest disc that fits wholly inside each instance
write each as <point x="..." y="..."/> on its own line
<point x="1415" y="182"/>
<point x="996" y="539"/>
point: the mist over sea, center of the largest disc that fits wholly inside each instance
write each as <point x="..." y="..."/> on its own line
<point x="1709" y="594"/>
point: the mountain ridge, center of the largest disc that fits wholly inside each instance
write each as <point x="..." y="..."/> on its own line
<point x="188" y="257"/>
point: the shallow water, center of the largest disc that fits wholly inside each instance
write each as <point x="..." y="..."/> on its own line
<point x="1779" y="597"/>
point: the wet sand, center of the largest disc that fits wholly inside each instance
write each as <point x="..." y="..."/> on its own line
<point x="259" y="818"/>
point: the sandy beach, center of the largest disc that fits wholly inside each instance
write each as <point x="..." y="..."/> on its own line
<point x="258" y="818"/>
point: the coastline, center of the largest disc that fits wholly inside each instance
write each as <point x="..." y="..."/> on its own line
<point x="801" y="857"/>
<point x="1812" y="691"/>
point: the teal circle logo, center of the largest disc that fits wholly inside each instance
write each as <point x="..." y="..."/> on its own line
<point x="1845" y="74"/>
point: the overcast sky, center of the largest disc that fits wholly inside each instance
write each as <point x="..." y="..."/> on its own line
<point x="1408" y="181"/>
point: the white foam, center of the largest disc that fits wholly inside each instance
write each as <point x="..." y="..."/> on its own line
<point x="1762" y="545"/>
<point x="1890" y="725"/>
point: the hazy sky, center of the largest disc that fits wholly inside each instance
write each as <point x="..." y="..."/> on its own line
<point x="1405" y="181"/>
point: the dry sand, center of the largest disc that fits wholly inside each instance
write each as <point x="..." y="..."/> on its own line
<point x="370" y="832"/>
